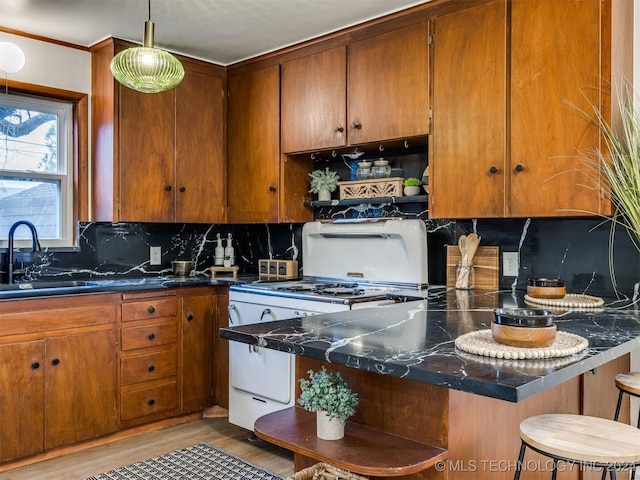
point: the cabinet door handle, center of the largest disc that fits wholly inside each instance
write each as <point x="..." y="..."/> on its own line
<point x="168" y="188"/>
<point x="231" y="308"/>
<point x="151" y="402"/>
<point x="189" y="317"/>
<point x="151" y="336"/>
<point x="35" y="365"/>
<point x="55" y="361"/>
<point x="182" y="189"/>
<point x="493" y="169"/>
<point x="338" y="128"/>
<point x="151" y="368"/>
<point x="151" y="309"/>
<point x="519" y="167"/>
<point x="272" y="188"/>
<point x="356" y="125"/>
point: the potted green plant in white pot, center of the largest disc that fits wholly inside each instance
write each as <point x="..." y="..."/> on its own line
<point x="412" y="186"/>
<point x="323" y="182"/>
<point x="329" y="395"/>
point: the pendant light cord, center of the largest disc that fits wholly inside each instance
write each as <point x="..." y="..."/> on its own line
<point x="149" y="10"/>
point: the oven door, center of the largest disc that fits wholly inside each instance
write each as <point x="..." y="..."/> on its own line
<point x="261" y="380"/>
<point x="255" y="370"/>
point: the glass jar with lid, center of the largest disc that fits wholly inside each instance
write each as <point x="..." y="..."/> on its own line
<point x="363" y="172"/>
<point x="381" y="168"/>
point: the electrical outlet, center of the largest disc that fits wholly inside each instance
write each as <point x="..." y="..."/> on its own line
<point x="155" y="255"/>
<point x="510" y="264"/>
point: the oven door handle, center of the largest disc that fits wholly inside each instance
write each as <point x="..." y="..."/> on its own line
<point x="267" y="311"/>
<point x="231" y="308"/>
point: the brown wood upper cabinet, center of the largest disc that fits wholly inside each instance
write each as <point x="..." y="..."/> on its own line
<point x="157" y="156"/>
<point x="264" y="186"/>
<point x="505" y="138"/>
<point x="371" y="90"/>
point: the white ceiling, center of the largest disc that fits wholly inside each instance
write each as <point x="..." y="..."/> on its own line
<point x="219" y="31"/>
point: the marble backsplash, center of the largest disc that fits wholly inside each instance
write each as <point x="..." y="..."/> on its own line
<point x="576" y="250"/>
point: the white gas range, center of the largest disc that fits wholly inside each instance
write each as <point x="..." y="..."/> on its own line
<point x="347" y="265"/>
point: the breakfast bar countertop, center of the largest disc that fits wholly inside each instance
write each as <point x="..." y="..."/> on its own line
<point x="415" y="340"/>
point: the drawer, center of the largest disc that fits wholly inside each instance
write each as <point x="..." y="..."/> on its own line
<point x="152" y="366"/>
<point x="147" y="401"/>
<point x="149" y="308"/>
<point x="149" y="335"/>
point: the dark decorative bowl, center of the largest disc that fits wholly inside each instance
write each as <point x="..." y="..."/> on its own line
<point x="546" y="288"/>
<point x="523" y="317"/>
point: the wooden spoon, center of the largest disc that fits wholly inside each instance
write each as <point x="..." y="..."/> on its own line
<point x="462" y="245"/>
<point x="472" y="243"/>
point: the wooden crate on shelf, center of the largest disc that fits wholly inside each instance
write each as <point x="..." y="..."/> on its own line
<point x="374" y="188"/>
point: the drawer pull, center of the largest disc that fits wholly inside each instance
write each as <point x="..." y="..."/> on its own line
<point x="152" y="336"/>
<point x="151" y="368"/>
<point x="151" y="309"/>
<point x="55" y="361"/>
<point x="35" y="365"/>
<point x="151" y="402"/>
<point x="189" y="317"/>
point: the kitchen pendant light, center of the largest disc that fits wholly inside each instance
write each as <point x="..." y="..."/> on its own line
<point x="147" y="69"/>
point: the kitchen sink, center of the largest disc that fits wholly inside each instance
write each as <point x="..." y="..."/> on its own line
<point x="47" y="285"/>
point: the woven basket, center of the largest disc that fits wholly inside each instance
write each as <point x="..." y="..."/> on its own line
<point x="325" y="471"/>
<point x="376" y="188"/>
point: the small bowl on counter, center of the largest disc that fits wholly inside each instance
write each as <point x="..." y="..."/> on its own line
<point x="546" y="288"/>
<point x="523" y="327"/>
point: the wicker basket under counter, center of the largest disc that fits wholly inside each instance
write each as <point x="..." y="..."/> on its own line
<point x="374" y="188"/>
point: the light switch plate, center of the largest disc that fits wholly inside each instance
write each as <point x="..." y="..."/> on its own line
<point x="155" y="255"/>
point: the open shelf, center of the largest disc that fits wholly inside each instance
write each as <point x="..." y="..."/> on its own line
<point x="359" y="201"/>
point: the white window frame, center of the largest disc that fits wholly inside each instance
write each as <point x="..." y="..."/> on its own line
<point x="65" y="173"/>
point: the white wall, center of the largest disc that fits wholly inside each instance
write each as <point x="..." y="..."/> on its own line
<point x="51" y="65"/>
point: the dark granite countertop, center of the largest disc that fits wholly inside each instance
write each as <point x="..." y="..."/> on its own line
<point x="63" y="286"/>
<point x="415" y="340"/>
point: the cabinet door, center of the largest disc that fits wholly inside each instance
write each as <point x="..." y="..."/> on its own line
<point x="314" y="101"/>
<point x="555" y="60"/>
<point x="21" y="399"/>
<point x="80" y="387"/>
<point x="146" y="167"/>
<point x="197" y="352"/>
<point x="388" y="86"/>
<point x="254" y="146"/>
<point x="201" y="195"/>
<point x="467" y="159"/>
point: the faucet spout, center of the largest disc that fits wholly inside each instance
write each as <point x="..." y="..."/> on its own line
<point x="35" y="244"/>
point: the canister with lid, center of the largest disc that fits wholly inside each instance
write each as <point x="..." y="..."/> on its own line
<point x="363" y="172"/>
<point x="381" y="168"/>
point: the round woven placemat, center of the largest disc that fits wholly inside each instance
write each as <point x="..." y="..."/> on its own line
<point x="482" y="343"/>
<point x="571" y="300"/>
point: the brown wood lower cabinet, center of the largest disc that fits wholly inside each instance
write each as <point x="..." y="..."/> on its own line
<point x="198" y="316"/>
<point x="57" y="386"/>
<point x="149" y="357"/>
<point x="74" y="368"/>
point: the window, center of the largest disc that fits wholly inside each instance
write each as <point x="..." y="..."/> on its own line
<point x="36" y="168"/>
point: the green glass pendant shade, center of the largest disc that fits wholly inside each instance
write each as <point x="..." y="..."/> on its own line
<point x="147" y="69"/>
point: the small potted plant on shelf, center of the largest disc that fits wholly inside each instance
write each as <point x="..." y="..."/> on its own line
<point x="412" y="186"/>
<point x="323" y="182"/>
<point x="329" y="395"/>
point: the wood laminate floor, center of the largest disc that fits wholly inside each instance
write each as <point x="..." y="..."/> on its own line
<point x="217" y="432"/>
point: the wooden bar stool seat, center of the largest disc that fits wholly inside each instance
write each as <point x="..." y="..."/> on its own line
<point x="578" y="439"/>
<point x="628" y="383"/>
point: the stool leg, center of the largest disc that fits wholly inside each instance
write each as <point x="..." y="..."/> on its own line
<point x="554" y="472"/>
<point x="633" y="473"/>
<point x="604" y="474"/>
<point x="613" y="474"/>
<point x="615" y="417"/>
<point x="523" y="447"/>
